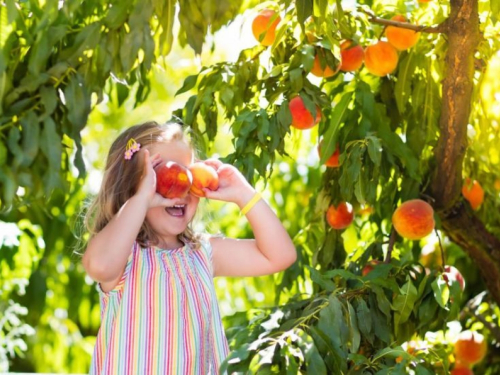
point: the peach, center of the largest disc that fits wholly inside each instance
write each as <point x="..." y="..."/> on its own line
<point x="451" y="274"/>
<point x="340" y="217"/>
<point x="352" y="56"/>
<point x="381" y="58"/>
<point x="414" y="219"/>
<point x="332" y="161"/>
<point x="370" y="266"/>
<point x="173" y="180"/>
<point x="470" y="347"/>
<point x="301" y="117"/>
<point x="400" y="38"/>
<point x="264" y="26"/>
<point x="461" y="371"/>
<point x="473" y="192"/>
<point x="204" y="176"/>
<point x="321" y="68"/>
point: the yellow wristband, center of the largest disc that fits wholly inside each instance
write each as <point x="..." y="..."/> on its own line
<point x="251" y="203"/>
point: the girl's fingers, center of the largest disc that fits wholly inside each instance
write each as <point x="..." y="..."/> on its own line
<point x="166" y="202"/>
<point x="215" y="163"/>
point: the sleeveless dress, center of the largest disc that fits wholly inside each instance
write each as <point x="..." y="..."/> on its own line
<point x="162" y="317"/>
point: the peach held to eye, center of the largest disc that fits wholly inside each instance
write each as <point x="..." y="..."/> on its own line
<point x="204" y="176"/>
<point x="173" y="180"/>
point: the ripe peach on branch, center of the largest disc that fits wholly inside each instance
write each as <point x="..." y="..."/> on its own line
<point x="264" y="26"/>
<point x="340" y="217"/>
<point x="301" y="117"/>
<point x="332" y="161"/>
<point x="352" y="56"/>
<point x="325" y="65"/>
<point x="414" y="219"/>
<point x="452" y="274"/>
<point x="400" y="38"/>
<point x="381" y="58"/>
<point x="470" y="347"/>
<point x="473" y="192"/>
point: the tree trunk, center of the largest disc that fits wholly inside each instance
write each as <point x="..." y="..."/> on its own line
<point x="457" y="219"/>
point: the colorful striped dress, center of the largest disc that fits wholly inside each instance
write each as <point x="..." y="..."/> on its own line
<point x="162" y="317"/>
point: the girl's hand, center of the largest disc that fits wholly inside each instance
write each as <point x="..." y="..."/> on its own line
<point x="233" y="187"/>
<point x="147" y="185"/>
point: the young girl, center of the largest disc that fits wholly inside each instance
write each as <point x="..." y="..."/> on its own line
<point x="159" y="313"/>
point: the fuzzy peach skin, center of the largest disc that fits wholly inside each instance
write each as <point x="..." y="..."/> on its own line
<point x="352" y="56"/>
<point x="173" y="180"/>
<point x="381" y="58"/>
<point x="340" y="217"/>
<point x="400" y="38"/>
<point x="204" y="176"/>
<point x="263" y="29"/>
<point x="301" y="117"/>
<point x="414" y="219"/>
<point x="470" y="347"/>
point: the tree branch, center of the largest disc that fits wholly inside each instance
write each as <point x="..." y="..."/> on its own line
<point x="457" y="219"/>
<point x="441" y="28"/>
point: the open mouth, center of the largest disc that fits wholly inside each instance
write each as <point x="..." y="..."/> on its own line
<point x="179" y="210"/>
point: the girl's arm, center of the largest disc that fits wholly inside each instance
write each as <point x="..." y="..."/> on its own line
<point x="107" y="252"/>
<point x="271" y="251"/>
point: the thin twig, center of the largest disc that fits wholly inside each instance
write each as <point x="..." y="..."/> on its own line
<point x="405" y="25"/>
<point x="392" y="240"/>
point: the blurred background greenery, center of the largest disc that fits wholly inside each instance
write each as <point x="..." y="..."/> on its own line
<point x="49" y="308"/>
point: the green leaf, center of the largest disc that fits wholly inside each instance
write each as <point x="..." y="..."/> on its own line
<point x="314" y="361"/>
<point x="383" y="303"/>
<point x="31" y="133"/>
<point x="346" y="275"/>
<point x="188" y="84"/>
<point x="3" y="154"/>
<point x="391" y="353"/>
<point x="304" y="10"/>
<point x="352" y="164"/>
<point x="332" y="322"/>
<point x="374" y="149"/>
<point x="354" y="335"/>
<point x="441" y="291"/>
<point x="166" y="17"/>
<point x="51" y="147"/>
<point x="320" y="9"/>
<point x="78" y="103"/>
<point x="117" y="14"/>
<point x="321" y="280"/>
<point x="403" y="303"/>
<point x="296" y="80"/>
<point x="331" y="134"/>
<point x="48" y="96"/>
<point x="379" y="271"/>
<point x="402" y="90"/>
<point x="9" y="186"/>
<point x="364" y="317"/>
<point x="421" y="370"/>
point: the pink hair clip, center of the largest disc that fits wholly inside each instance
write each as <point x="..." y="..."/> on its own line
<point x="132" y="147"/>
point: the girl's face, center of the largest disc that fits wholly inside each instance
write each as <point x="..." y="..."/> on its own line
<point x="165" y="221"/>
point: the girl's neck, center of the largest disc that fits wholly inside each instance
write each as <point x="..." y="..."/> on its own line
<point x="168" y="244"/>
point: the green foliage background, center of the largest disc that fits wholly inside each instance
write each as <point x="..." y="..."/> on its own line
<point x="74" y="74"/>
